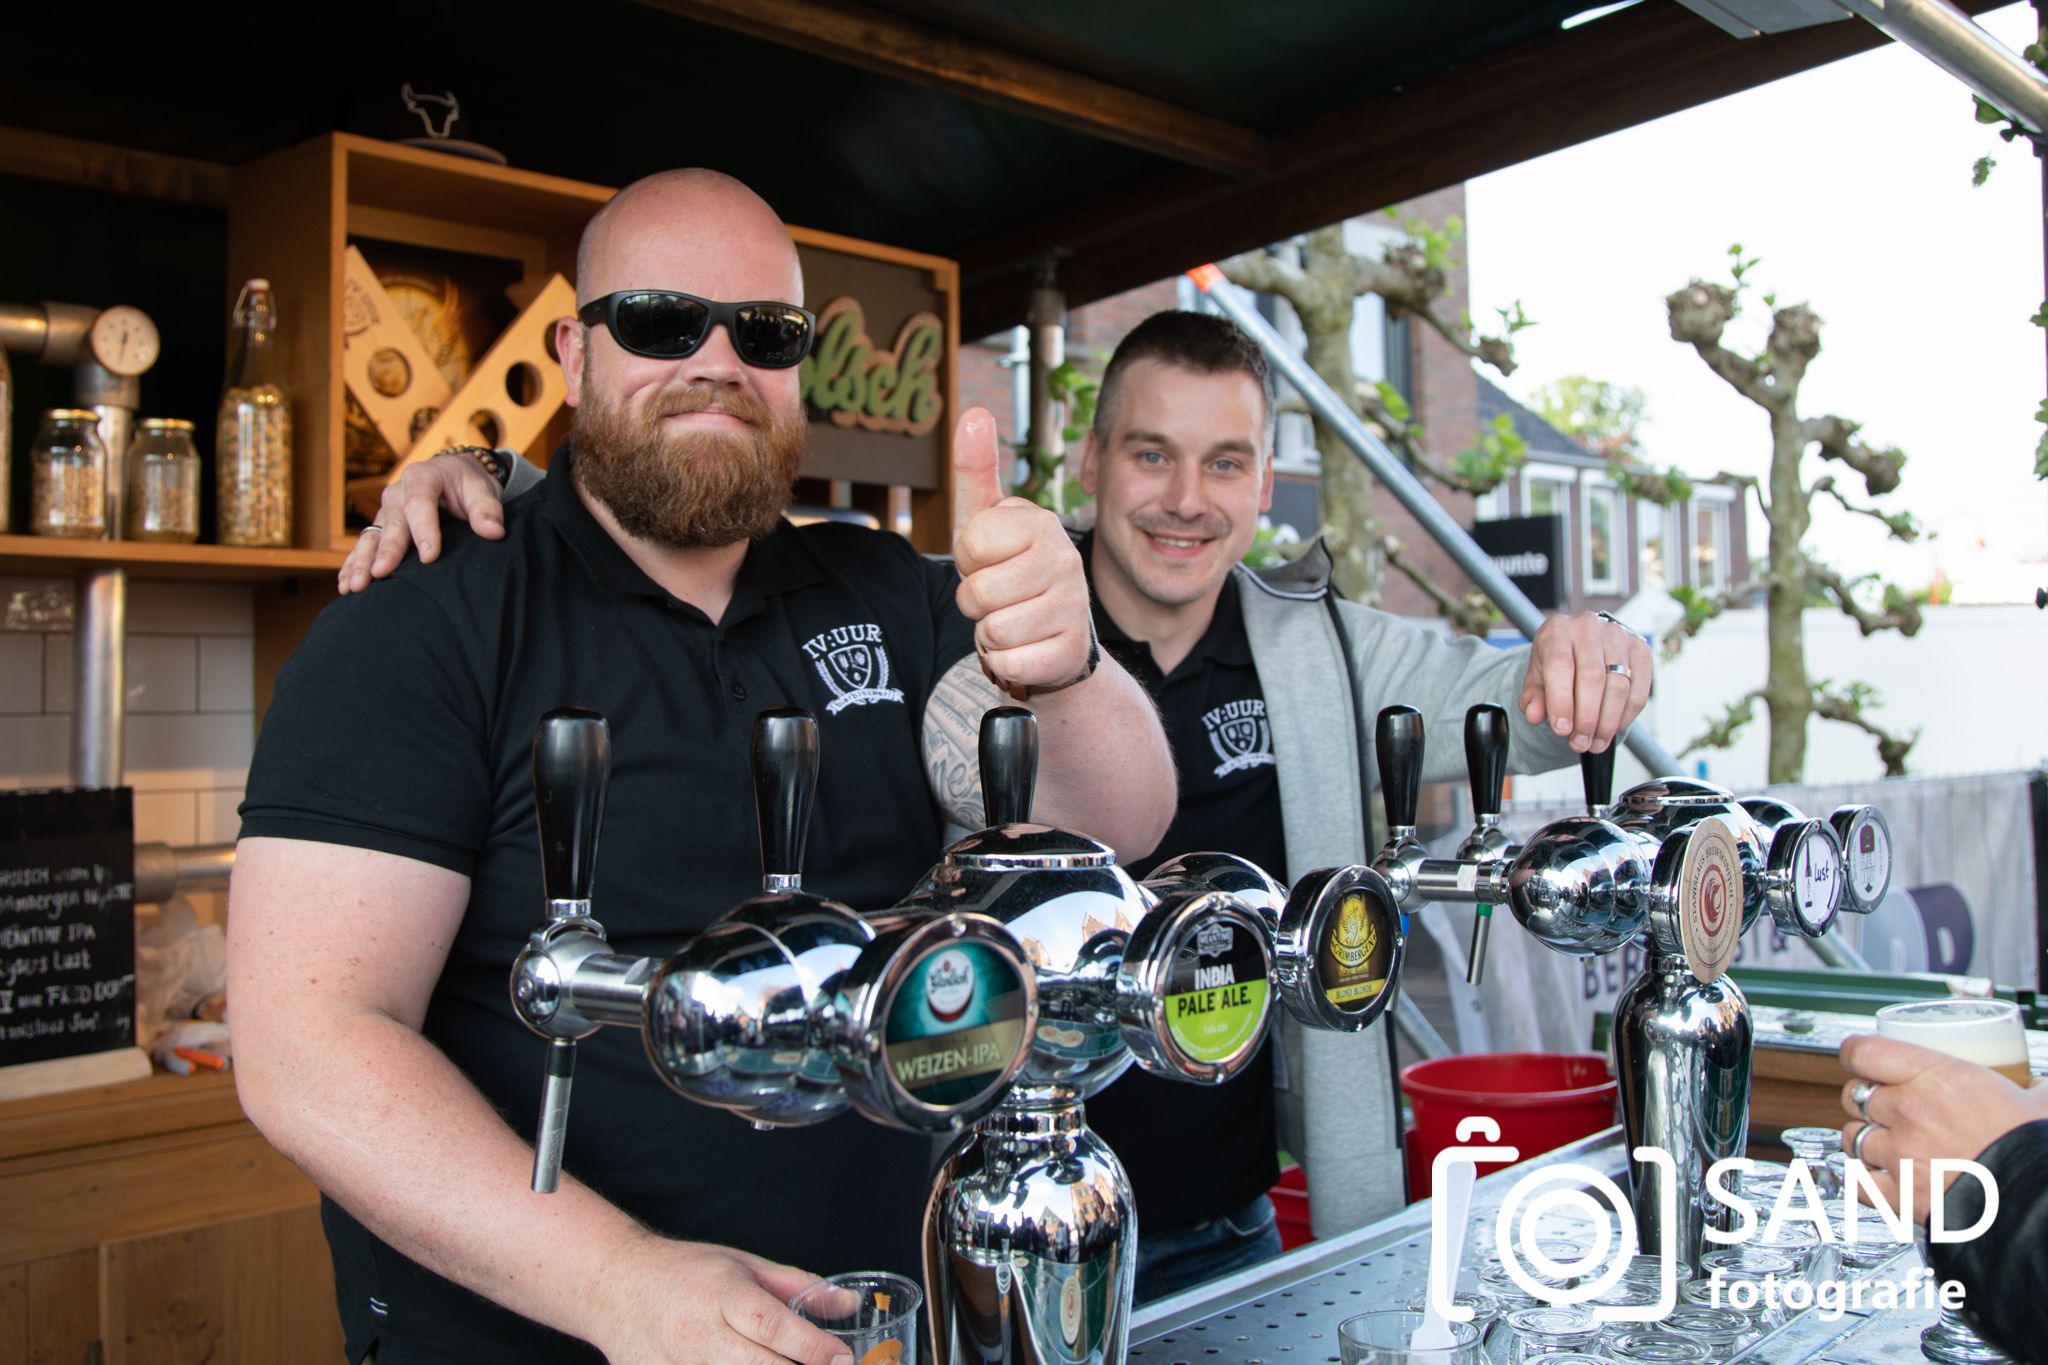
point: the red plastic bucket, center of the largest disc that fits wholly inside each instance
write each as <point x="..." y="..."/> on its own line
<point x="1540" y="1100"/>
<point x="1290" y="1208"/>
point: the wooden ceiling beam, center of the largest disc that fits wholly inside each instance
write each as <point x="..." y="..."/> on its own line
<point x="906" y="51"/>
<point x="120" y="170"/>
<point x="1556" y="91"/>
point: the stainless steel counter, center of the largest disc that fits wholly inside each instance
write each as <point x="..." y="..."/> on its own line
<point x="1288" y="1309"/>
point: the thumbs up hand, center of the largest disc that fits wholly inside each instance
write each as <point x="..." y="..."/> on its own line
<point x="1020" y="576"/>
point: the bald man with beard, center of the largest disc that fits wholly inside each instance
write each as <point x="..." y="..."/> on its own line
<point x="388" y="871"/>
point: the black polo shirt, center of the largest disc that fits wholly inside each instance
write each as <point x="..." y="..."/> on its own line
<point x="1194" y="1152"/>
<point x="405" y="724"/>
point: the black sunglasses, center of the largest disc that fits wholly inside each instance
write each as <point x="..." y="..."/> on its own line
<point x="668" y="326"/>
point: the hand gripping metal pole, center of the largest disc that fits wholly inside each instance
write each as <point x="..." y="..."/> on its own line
<point x="1388" y="469"/>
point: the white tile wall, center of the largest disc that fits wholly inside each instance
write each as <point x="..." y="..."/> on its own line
<point x="191" y="709"/>
<point x="21" y="674"/>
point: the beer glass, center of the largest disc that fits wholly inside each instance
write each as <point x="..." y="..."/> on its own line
<point x="872" y="1312"/>
<point x="1989" y="1033"/>
<point x="1382" y="1338"/>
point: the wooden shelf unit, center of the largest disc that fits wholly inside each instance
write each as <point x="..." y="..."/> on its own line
<point x="291" y="215"/>
<point x="147" y="559"/>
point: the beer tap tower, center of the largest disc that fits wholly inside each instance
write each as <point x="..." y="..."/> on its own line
<point x="1030" y="1235"/>
<point x="791" y="1007"/>
<point x="1684" y="868"/>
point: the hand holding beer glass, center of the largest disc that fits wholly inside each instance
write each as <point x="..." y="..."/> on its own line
<point x="1941" y="1078"/>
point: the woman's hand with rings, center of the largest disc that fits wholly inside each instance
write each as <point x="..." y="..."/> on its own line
<point x="1910" y="1103"/>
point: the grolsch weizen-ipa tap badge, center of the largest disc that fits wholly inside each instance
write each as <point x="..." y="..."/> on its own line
<point x="1216" y="992"/>
<point x="1357" y="954"/>
<point x="955" y="1024"/>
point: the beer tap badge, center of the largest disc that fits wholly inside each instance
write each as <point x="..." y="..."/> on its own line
<point x="1216" y="992"/>
<point x="1709" y="898"/>
<point x="956" y="1024"/>
<point x="1356" y="953"/>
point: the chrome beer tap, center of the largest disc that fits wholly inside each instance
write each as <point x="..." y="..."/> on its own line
<point x="1337" y="945"/>
<point x="789" y="1008"/>
<point x="1030" y="1235"/>
<point x="1684" y="867"/>
<point x="1486" y="764"/>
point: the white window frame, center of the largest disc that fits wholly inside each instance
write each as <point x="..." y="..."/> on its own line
<point x="1643" y="507"/>
<point x="1722" y="500"/>
<point x="1535" y="472"/>
<point x="1492" y="505"/>
<point x="1590" y="487"/>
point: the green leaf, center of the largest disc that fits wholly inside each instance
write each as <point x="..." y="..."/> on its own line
<point x="2041" y="458"/>
<point x="1981" y="172"/>
<point x="1988" y="112"/>
<point x="1391" y="401"/>
<point x="2040" y="318"/>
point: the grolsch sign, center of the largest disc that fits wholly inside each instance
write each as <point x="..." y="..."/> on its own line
<point x="1530" y="551"/>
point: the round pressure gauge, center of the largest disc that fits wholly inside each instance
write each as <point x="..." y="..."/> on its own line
<point x="125" y="340"/>
<point x="1866" y="853"/>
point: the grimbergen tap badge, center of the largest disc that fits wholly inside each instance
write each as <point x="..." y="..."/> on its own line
<point x="1216" y="992"/>
<point x="1357" y="954"/>
<point x="955" y="1024"/>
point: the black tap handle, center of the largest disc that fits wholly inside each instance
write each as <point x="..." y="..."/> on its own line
<point x="1486" y="756"/>
<point x="572" y="760"/>
<point x="1597" y="771"/>
<point x="785" y="782"/>
<point x="1398" y="737"/>
<point x="1009" y="764"/>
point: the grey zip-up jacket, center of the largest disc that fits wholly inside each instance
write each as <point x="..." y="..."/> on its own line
<point x="1337" y="1108"/>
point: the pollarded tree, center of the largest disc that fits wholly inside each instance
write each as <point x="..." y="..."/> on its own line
<point x="1790" y="577"/>
<point x="1412" y="276"/>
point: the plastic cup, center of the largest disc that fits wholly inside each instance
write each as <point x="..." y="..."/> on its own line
<point x="871" y="1312"/>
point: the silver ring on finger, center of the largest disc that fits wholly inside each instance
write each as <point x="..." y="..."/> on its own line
<point x="1859" y="1095"/>
<point x="1856" y="1143"/>
<point x="1622" y="669"/>
<point x="373" y="526"/>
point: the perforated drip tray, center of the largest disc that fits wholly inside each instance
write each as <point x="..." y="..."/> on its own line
<point x="1288" y="1309"/>
<point x="1297" y="1323"/>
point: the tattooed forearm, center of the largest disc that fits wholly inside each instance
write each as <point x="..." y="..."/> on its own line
<point x="952" y="740"/>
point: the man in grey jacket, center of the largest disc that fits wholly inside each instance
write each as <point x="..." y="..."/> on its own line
<point x="1267" y="684"/>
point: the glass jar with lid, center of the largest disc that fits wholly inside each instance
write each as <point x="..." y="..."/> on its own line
<point x="163" y="483"/>
<point x="68" y="476"/>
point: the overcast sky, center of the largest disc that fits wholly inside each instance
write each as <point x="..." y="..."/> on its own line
<point x="1852" y="184"/>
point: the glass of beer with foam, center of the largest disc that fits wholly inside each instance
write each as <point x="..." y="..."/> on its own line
<point x="1991" y="1034"/>
<point x="1987" y="1032"/>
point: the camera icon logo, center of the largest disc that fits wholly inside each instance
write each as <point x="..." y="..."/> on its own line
<point x="1566" y="1187"/>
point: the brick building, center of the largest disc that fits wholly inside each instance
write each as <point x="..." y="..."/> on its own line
<point x="1628" y="546"/>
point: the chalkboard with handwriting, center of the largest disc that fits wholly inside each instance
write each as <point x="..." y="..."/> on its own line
<point x="67" y="923"/>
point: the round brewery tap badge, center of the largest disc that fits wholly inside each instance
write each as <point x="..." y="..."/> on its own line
<point x="1869" y="857"/>
<point x="1216" y="991"/>
<point x="1709" y="898"/>
<point x="1357" y="954"/>
<point x="955" y="1024"/>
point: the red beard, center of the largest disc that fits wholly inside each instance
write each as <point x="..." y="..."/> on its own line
<point x="690" y="489"/>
